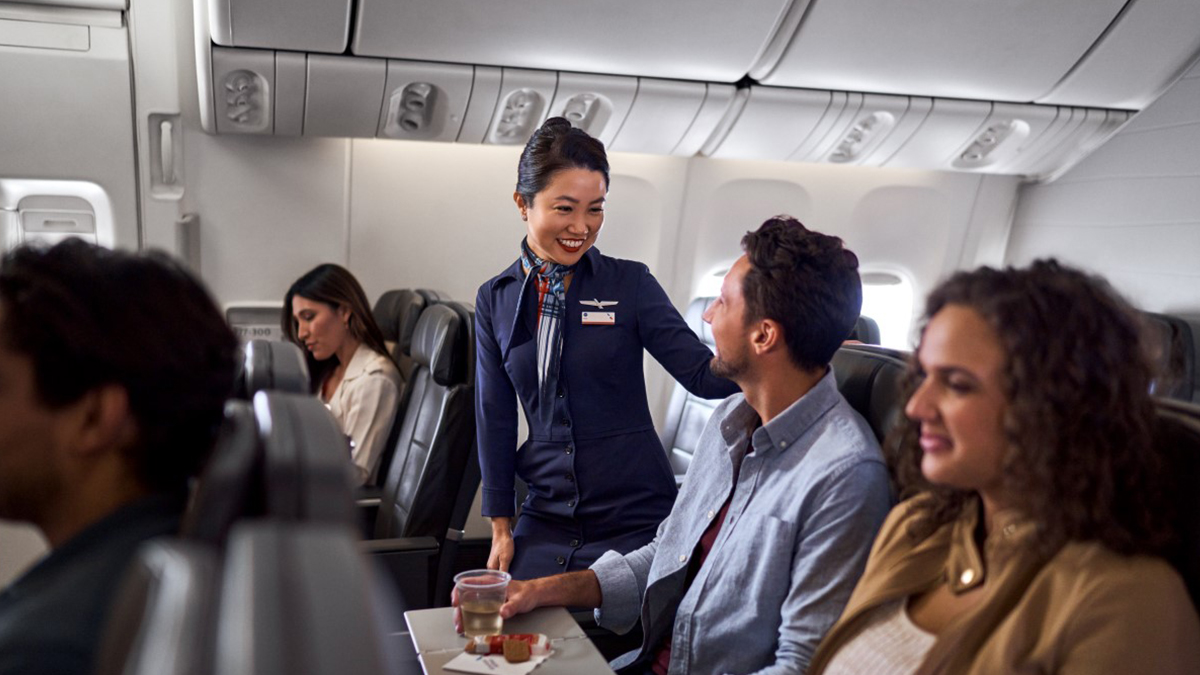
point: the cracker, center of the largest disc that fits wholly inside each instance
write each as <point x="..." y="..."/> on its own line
<point x="516" y="651"/>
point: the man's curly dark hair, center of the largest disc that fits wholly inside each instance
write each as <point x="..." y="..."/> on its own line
<point x="1079" y="419"/>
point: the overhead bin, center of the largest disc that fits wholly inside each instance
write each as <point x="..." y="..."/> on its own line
<point x="1137" y="59"/>
<point x="940" y="48"/>
<point x="300" y="25"/>
<point x="672" y="117"/>
<point x="706" y="40"/>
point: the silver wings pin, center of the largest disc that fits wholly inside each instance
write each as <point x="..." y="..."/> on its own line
<point x="598" y="304"/>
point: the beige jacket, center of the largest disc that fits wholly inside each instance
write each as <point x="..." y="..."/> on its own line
<point x="364" y="404"/>
<point x="1085" y="610"/>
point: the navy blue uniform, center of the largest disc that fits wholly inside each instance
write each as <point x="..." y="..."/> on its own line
<point x="598" y="477"/>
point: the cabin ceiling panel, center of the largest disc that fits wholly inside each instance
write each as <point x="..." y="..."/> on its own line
<point x="1137" y="59"/>
<point x="1009" y="51"/>
<point x="708" y="40"/>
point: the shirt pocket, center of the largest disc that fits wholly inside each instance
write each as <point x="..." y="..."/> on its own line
<point x="760" y="550"/>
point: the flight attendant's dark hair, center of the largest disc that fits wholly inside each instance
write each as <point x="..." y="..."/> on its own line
<point x="555" y="146"/>
<point x="335" y="286"/>
<point x="1079" y="418"/>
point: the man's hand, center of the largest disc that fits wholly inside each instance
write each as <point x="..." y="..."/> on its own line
<point x="573" y="589"/>
<point x="521" y="598"/>
<point x="502" y="545"/>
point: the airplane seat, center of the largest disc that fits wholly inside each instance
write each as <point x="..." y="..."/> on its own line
<point x="230" y="486"/>
<point x="301" y="598"/>
<point x="1174" y="351"/>
<point x="437" y="435"/>
<point x="307" y="473"/>
<point x="163" y="621"/>
<point x="273" y="366"/>
<point x="396" y="312"/>
<point x="865" y="330"/>
<point x="871" y="379"/>
<point x="687" y="413"/>
<point x="1178" y="437"/>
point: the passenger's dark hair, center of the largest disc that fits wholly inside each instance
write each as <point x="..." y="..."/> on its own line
<point x="335" y="286"/>
<point x="555" y="146"/>
<point x="805" y="281"/>
<point x="1079" y="418"/>
<point x="89" y="317"/>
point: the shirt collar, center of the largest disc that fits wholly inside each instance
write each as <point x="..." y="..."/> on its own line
<point x="965" y="566"/>
<point x="362" y="362"/>
<point x="515" y="272"/>
<point x="788" y="426"/>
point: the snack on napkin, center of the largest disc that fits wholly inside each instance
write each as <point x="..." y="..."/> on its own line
<point x="516" y="651"/>
<point x="538" y="643"/>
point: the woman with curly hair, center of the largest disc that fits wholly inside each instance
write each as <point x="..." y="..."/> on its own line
<point x="1030" y="539"/>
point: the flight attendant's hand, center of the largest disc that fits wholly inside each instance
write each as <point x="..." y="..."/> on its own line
<point x="502" y="545"/>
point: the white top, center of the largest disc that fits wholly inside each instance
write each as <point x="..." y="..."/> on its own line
<point x="364" y="404"/>
<point x="890" y="644"/>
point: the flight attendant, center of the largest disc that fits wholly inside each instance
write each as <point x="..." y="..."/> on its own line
<point x="562" y="331"/>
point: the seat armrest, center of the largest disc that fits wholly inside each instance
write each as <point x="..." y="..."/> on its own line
<point x="411" y="563"/>
<point x="368" y="515"/>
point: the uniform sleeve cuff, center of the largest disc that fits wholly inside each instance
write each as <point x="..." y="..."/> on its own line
<point x="499" y="503"/>
<point x="621" y="601"/>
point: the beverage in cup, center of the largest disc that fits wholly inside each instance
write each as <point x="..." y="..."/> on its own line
<point x="480" y="595"/>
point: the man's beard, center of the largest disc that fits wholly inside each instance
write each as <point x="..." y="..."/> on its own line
<point x="728" y="369"/>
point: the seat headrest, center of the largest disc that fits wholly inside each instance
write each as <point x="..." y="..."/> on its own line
<point x="1171" y="345"/>
<point x="396" y="312"/>
<point x="871" y="379"/>
<point x="865" y="331"/>
<point x="432" y="296"/>
<point x="695" y="320"/>
<point x="275" y="366"/>
<point x="1177" y="437"/>
<point x="230" y="486"/>
<point x="438" y="344"/>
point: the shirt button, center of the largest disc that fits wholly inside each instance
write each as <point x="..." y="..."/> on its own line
<point x="560" y="393"/>
<point x="566" y="422"/>
<point x="571" y="503"/>
<point x="967" y="576"/>
<point x="574" y="543"/>
<point x="711" y="514"/>
<point x="570" y="449"/>
<point x="570" y="478"/>
<point x="783" y="444"/>
<point x="683" y="558"/>
<point x="560" y="560"/>
<point x="1009" y="529"/>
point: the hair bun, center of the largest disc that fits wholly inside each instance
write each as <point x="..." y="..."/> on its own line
<point x="556" y="125"/>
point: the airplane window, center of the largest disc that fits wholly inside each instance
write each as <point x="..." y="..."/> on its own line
<point x="888" y="298"/>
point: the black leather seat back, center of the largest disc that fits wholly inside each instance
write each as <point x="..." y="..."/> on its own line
<point x="687" y="414"/>
<point x="230" y="488"/>
<point x="1172" y="345"/>
<point x="865" y="331"/>
<point x="437" y="429"/>
<point x="306" y="469"/>
<point x="275" y="366"/>
<point x="1178" y="438"/>
<point x="300" y="599"/>
<point x="397" y="312"/>
<point x="871" y="379"/>
<point x="163" y="618"/>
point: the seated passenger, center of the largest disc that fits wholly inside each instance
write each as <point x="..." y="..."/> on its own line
<point x="1028" y="544"/>
<point x="114" y="368"/>
<point x="785" y="493"/>
<point x="326" y="313"/>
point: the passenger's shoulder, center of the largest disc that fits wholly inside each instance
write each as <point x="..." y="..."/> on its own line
<point x="847" y="436"/>
<point x="1093" y="568"/>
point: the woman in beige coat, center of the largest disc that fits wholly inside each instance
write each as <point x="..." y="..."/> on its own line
<point x="1031" y="544"/>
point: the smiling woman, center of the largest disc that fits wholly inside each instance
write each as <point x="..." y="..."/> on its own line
<point x="325" y="312"/>
<point x="562" y="331"/>
<point x="1031" y="541"/>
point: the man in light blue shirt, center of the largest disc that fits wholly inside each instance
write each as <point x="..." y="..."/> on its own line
<point x="783" y="497"/>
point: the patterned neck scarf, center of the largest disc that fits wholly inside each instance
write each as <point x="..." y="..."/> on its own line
<point x="552" y="304"/>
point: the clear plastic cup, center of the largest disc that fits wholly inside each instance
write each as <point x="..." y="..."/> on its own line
<point x="480" y="595"/>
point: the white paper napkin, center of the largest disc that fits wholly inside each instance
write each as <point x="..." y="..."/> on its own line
<point x="492" y="664"/>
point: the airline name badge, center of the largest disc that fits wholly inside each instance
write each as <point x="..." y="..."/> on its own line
<point x="599" y="318"/>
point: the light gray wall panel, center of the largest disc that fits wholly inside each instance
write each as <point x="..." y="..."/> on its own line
<point x="1131" y="210"/>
